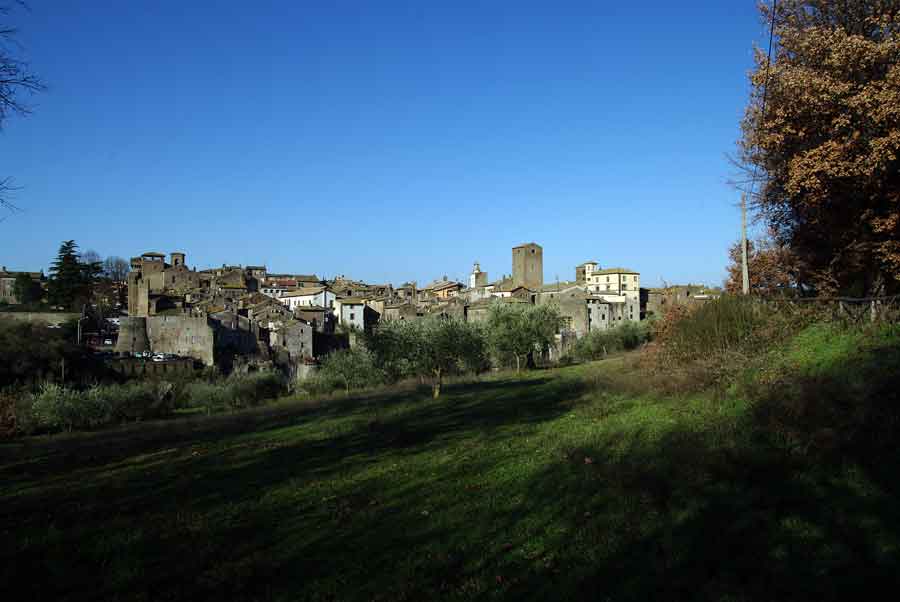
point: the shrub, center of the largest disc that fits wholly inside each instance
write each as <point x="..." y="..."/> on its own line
<point x="235" y="391"/>
<point x="247" y="390"/>
<point x="55" y="407"/>
<point x="599" y="343"/>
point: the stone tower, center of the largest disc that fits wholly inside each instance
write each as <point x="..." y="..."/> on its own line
<point x="177" y="259"/>
<point x="132" y="336"/>
<point x="528" y="266"/>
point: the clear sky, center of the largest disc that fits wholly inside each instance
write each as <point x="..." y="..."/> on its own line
<point x="383" y="140"/>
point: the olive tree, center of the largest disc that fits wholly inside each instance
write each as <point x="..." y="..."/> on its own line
<point x="516" y="331"/>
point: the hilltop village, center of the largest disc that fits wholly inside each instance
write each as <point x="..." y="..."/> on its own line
<point x="246" y="316"/>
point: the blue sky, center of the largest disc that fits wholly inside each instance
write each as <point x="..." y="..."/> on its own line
<point x="386" y="141"/>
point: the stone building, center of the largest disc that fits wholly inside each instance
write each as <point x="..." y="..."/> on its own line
<point x="401" y="311"/>
<point x="152" y="277"/>
<point x="8" y="284"/>
<point x="440" y="289"/>
<point x="655" y="301"/>
<point x="528" y="265"/>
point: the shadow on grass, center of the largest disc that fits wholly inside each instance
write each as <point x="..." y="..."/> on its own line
<point x="178" y="504"/>
<point x="441" y="500"/>
<point x="40" y="457"/>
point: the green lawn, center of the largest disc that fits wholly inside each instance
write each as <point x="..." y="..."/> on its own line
<point x="548" y="486"/>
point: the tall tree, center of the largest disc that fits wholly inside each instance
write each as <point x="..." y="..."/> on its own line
<point x="71" y="281"/>
<point x="823" y="130"/>
<point x="16" y="81"/>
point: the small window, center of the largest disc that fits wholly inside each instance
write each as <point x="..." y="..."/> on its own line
<point x="352" y="316"/>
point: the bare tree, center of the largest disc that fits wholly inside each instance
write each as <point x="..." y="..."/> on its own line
<point x="91" y="256"/>
<point x="16" y="81"/>
<point x="116" y="268"/>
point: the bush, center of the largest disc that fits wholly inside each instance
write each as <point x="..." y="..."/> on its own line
<point x="234" y="392"/>
<point x="599" y="343"/>
<point x="54" y="407"/>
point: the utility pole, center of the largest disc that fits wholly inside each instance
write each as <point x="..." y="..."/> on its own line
<point x="745" y="270"/>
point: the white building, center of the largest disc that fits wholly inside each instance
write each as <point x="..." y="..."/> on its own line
<point x="308" y="297"/>
<point x="351" y="312"/>
<point x="619" y="288"/>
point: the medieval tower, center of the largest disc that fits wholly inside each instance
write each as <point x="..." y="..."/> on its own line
<point x="528" y="266"/>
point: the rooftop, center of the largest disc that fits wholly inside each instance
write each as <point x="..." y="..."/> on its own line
<point x="305" y="292"/>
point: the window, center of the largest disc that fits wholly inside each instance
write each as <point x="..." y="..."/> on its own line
<point x="624" y="286"/>
<point x="607" y="278"/>
<point x="352" y="316"/>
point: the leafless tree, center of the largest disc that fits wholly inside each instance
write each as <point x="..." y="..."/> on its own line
<point x="16" y="82"/>
<point x="91" y="256"/>
<point x="116" y="268"/>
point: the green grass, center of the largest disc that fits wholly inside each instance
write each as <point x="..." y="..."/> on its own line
<point x="549" y="486"/>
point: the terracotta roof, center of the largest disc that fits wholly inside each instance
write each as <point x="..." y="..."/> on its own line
<point x="616" y="271"/>
<point x="305" y="292"/>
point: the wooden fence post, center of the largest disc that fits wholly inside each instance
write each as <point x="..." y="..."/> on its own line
<point x="872" y="310"/>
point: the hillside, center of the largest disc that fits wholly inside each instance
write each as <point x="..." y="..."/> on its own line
<point x="575" y="483"/>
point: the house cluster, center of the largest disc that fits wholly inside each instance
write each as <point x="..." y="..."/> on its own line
<point x="247" y="315"/>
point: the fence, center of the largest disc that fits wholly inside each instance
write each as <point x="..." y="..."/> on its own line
<point x="848" y="310"/>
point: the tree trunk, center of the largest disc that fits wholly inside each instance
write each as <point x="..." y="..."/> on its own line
<point x="517" y="364"/>
<point x="436" y="385"/>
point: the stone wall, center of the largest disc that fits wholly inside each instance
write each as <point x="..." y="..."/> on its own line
<point x="189" y="336"/>
<point x="45" y="318"/>
<point x="139" y="368"/>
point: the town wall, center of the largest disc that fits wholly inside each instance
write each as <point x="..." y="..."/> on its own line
<point x="189" y="336"/>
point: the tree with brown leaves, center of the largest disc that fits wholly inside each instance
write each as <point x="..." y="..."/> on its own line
<point x="773" y="269"/>
<point x="823" y="130"/>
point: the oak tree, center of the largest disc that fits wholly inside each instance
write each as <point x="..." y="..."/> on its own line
<point x="823" y="131"/>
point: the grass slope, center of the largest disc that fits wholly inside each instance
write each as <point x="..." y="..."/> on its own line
<point x="555" y="485"/>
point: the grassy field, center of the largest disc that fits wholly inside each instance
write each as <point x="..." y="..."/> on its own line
<point x="554" y="485"/>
